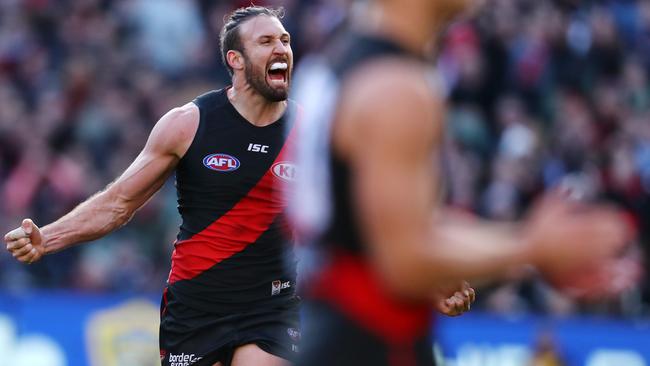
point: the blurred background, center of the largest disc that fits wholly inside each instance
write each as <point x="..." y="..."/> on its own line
<point x="543" y="94"/>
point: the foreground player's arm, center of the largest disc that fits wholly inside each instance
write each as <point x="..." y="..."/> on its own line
<point x="394" y="181"/>
<point x="115" y="205"/>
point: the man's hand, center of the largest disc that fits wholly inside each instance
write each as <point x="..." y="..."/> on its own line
<point x="454" y="300"/>
<point x="565" y="237"/>
<point x="25" y="242"/>
<point x="605" y="281"/>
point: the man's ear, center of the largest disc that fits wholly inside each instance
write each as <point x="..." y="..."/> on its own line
<point x="235" y="59"/>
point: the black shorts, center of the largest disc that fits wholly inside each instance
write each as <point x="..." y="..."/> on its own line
<point x="192" y="337"/>
<point x="331" y="338"/>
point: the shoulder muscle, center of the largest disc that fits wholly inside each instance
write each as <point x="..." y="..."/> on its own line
<point x="389" y="102"/>
<point x="174" y="132"/>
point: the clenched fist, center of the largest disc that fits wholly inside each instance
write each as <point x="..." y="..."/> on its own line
<point x="454" y="300"/>
<point x="25" y="242"/>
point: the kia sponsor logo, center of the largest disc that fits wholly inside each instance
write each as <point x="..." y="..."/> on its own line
<point x="221" y="162"/>
<point x="284" y="170"/>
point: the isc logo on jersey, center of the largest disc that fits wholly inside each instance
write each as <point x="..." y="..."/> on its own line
<point x="277" y="286"/>
<point x="221" y="162"/>
<point x="284" y="170"/>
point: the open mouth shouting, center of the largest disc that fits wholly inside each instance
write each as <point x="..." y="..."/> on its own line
<point x="277" y="74"/>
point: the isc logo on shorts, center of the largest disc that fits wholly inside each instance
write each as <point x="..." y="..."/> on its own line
<point x="277" y="286"/>
<point x="284" y="170"/>
<point x="221" y="162"/>
<point x="294" y="334"/>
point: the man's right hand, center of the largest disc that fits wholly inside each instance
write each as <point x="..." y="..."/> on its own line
<point x="25" y="243"/>
<point x="567" y="239"/>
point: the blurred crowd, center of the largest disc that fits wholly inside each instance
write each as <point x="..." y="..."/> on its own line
<point x="543" y="94"/>
<point x="551" y="95"/>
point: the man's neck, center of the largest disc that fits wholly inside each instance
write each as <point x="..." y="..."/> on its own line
<point x="256" y="109"/>
<point x="414" y="28"/>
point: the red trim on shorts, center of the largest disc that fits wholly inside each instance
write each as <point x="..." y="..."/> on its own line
<point x="402" y="355"/>
<point x="241" y="226"/>
<point x="164" y="297"/>
<point x="350" y="284"/>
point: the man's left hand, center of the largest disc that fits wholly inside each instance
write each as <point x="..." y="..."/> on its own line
<point x="454" y="301"/>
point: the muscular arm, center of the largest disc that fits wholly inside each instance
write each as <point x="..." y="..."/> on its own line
<point x="114" y="206"/>
<point x="413" y="244"/>
<point x="395" y="184"/>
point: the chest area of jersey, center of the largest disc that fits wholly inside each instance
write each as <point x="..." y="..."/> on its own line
<point x="239" y="157"/>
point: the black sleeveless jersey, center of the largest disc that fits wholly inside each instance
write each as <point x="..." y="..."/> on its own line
<point x="231" y="252"/>
<point x="323" y="207"/>
<point x="325" y="178"/>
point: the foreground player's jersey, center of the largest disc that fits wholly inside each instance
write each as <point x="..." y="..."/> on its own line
<point x="231" y="251"/>
<point x="323" y="206"/>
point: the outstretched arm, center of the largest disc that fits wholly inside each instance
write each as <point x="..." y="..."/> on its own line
<point x="413" y="244"/>
<point x="114" y="206"/>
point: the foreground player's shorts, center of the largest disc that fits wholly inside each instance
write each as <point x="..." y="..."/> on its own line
<point x="331" y="338"/>
<point x="192" y="337"/>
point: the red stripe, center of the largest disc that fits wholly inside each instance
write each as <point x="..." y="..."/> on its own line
<point x="235" y="230"/>
<point x="164" y="309"/>
<point x="349" y="284"/>
<point x="402" y="355"/>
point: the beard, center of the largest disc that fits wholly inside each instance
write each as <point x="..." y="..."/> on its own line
<point x="257" y="80"/>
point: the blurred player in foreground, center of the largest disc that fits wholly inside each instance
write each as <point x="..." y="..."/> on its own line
<point x="230" y="294"/>
<point x="368" y="197"/>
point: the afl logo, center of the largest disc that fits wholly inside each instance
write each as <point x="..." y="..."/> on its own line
<point x="221" y="162"/>
<point x="284" y="170"/>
